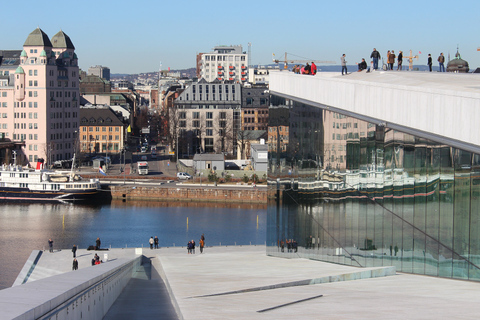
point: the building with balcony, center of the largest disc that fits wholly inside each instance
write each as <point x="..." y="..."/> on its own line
<point x="377" y="169"/>
<point x="224" y="63"/>
<point x="39" y="97"/>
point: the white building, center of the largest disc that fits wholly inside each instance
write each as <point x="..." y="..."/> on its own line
<point x="229" y="63"/>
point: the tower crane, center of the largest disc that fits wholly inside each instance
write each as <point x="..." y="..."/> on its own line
<point x="286" y="61"/>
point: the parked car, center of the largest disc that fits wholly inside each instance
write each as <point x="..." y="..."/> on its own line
<point x="183" y="176"/>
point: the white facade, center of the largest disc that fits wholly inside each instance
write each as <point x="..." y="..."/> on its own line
<point x="225" y="63"/>
<point x="444" y="107"/>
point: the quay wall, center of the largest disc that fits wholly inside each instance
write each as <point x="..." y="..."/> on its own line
<point x="251" y="195"/>
<point x="88" y="294"/>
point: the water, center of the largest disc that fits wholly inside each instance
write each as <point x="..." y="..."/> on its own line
<point x="27" y="227"/>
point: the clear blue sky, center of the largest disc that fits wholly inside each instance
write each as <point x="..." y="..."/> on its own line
<point x="134" y="36"/>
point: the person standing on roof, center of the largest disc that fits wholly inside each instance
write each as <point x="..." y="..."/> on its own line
<point x="375" y="56"/>
<point x="344" y="64"/>
<point x="313" y="68"/>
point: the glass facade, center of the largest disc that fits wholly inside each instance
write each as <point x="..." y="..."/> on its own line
<point x="347" y="191"/>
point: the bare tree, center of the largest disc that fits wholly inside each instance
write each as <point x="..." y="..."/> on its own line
<point x="224" y="131"/>
<point x="243" y="137"/>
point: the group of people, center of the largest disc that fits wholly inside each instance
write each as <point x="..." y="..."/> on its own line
<point x="292" y="245"/>
<point x="306" y="69"/>
<point x="391" y="58"/>
<point x="153" y="242"/>
<point x="191" y="245"/>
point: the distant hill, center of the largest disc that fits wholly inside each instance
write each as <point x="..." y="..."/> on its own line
<point x="190" y="73"/>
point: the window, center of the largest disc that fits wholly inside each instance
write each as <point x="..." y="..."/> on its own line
<point x="209" y="115"/>
<point x="196" y="123"/>
<point x="209" y="124"/>
<point x="209" y="132"/>
<point x="182" y="124"/>
<point x="196" y="115"/>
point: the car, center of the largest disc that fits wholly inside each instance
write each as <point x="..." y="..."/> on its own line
<point x="183" y="176"/>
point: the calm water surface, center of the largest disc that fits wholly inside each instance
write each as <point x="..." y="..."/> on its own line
<point x="27" y="227"/>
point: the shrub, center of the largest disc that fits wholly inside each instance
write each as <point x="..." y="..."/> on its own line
<point x="245" y="178"/>
<point x="254" y="178"/>
<point x="212" y="177"/>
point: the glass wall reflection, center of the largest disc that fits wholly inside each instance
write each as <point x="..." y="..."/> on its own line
<point x="351" y="192"/>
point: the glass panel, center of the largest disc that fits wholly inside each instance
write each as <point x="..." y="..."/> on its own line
<point x="351" y="192"/>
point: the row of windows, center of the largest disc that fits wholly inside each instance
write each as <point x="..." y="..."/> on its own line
<point x="345" y="125"/>
<point x="32" y="126"/>
<point x="97" y="137"/>
<point x="207" y="97"/>
<point x="196" y="115"/>
<point x="24" y="104"/>
<point x="104" y="129"/>
<point x="208" y="124"/>
<point x="67" y="104"/>
<point x="200" y="88"/>
<point x="59" y="125"/>
<point x="58" y="115"/>
<point x="249" y="111"/>
<point x="225" y="57"/>
<point x="58" y="94"/>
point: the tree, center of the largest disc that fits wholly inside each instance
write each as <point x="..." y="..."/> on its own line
<point x="224" y="132"/>
<point x="243" y="137"/>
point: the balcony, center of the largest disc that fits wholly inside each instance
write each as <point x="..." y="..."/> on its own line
<point x="232" y="68"/>
<point x="231" y="79"/>
<point x="231" y="73"/>
<point x="220" y="73"/>
<point x="244" y="73"/>
<point x="244" y="79"/>
<point x="244" y="67"/>
<point x="220" y="67"/>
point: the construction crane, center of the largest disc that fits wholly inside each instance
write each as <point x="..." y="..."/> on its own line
<point x="287" y="61"/>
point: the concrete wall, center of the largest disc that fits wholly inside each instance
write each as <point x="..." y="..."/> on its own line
<point x="87" y="293"/>
<point x="434" y="105"/>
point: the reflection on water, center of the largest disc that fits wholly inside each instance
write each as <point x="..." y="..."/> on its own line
<point x="26" y="227"/>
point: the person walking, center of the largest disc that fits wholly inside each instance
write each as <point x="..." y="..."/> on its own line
<point x="98" y="243"/>
<point x="193" y="247"/>
<point x="75" y="264"/>
<point x="155" y="241"/>
<point x="441" y="62"/>
<point x="50" y="245"/>
<point x="344" y="64"/>
<point x="151" y="241"/>
<point x="74" y="250"/>
<point x="399" y="60"/>
<point x="202" y="243"/>
<point x="429" y="62"/>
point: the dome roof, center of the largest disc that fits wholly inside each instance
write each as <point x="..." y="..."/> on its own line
<point x="19" y="70"/>
<point x="457" y="64"/>
<point x="37" y="38"/>
<point x="61" y="40"/>
<point x="23" y="54"/>
<point x="43" y="53"/>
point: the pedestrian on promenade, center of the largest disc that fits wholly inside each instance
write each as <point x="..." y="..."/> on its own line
<point x="155" y="241"/>
<point x="189" y="247"/>
<point x="98" y="243"/>
<point x="313" y="69"/>
<point x="429" y="62"/>
<point x="75" y="264"/>
<point x="441" y="62"/>
<point x="400" y="60"/>
<point x="202" y="243"/>
<point x="74" y="250"/>
<point x="344" y="64"/>
<point x="193" y="247"/>
<point x="151" y="242"/>
<point x="375" y="56"/>
<point x="50" y="245"/>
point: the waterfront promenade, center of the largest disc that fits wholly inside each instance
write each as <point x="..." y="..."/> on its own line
<point x="244" y="283"/>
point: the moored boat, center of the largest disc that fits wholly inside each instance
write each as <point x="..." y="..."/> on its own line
<point x="42" y="185"/>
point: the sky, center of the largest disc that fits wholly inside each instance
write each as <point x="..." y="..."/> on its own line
<point x="137" y="36"/>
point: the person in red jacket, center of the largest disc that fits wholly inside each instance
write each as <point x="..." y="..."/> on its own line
<point x="313" y="68"/>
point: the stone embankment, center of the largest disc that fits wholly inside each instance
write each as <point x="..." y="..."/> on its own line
<point x="191" y="193"/>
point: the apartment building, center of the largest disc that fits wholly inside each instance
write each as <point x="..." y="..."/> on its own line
<point x="206" y="118"/>
<point x="224" y="63"/>
<point x="39" y="93"/>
